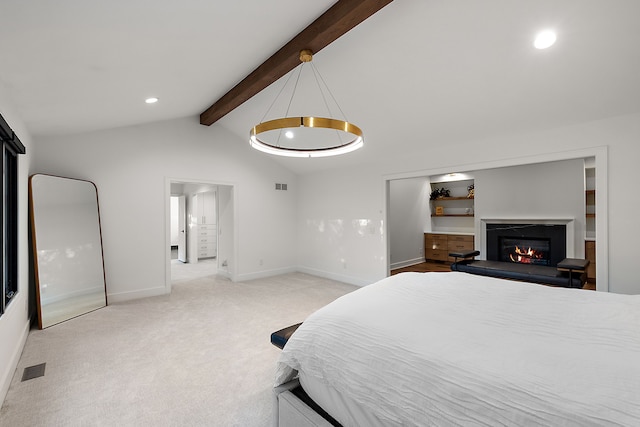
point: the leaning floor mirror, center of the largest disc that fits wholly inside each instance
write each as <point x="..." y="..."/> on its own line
<point x="67" y="248"/>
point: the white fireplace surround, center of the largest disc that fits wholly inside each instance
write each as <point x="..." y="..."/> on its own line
<point x="568" y="222"/>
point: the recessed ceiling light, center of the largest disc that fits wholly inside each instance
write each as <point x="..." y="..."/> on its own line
<point x="151" y="100"/>
<point x="288" y="134"/>
<point x="545" y="39"/>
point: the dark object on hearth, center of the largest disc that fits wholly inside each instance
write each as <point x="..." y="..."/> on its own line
<point x="280" y="338"/>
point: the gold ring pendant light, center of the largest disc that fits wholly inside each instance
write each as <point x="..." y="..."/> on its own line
<point x="342" y="128"/>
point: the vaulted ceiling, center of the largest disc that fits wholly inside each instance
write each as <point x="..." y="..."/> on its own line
<point x="416" y="73"/>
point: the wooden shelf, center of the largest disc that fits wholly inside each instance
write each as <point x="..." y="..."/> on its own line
<point x="591" y="201"/>
<point x="458" y="205"/>
<point x="446" y="199"/>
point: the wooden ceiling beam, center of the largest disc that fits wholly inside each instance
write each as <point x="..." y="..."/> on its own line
<point x="336" y="21"/>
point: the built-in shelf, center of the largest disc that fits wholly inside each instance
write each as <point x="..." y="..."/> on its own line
<point x="459" y="203"/>
<point x="446" y="199"/>
<point x="591" y="201"/>
<point x="590" y="244"/>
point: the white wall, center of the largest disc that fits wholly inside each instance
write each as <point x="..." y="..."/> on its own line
<point x="408" y="218"/>
<point x="550" y="190"/>
<point x="340" y="225"/>
<point x="130" y="167"/>
<point x="352" y="193"/>
<point x="14" y="323"/>
<point x="225" y="228"/>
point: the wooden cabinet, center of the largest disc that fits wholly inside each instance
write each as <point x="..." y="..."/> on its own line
<point x="590" y="254"/>
<point x="437" y="245"/>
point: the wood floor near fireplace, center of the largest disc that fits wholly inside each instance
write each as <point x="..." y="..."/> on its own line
<point x="430" y="266"/>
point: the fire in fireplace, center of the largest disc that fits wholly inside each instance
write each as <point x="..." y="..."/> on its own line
<point x="525" y="251"/>
<point x="539" y="244"/>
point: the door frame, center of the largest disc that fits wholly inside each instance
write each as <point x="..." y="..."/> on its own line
<point x="600" y="154"/>
<point x="182" y="228"/>
<point x="231" y="270"/>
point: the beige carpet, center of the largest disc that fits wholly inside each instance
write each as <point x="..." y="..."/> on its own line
<point x="198" y="357"/>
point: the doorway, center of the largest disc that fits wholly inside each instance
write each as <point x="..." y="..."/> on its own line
<point x="595" y="159"/>
<point x="200" y="230"/>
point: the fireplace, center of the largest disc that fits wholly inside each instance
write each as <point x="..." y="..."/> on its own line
<point x="531" y="250"/>
<point x="538" y="244"/>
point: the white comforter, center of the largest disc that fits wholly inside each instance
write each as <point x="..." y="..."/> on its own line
<point x="444" y="349"/>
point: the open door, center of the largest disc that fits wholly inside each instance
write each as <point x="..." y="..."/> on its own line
<point x="182" y="229"/>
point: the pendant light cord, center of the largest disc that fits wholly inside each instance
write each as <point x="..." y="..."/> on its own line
<point x="318" y="77"/>
<point x="277" y="96"/>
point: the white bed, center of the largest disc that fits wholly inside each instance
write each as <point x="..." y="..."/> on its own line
<point x="444" y="349"/>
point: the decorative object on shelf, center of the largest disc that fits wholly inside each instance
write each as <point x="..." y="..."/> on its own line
<point x="439" y="193"/>
<point x="471" y="192"/>
<point x="439" y="210"/>
<point x="306" y="136"/>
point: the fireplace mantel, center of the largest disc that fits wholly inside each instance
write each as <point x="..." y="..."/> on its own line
<point x="568" y="222"/>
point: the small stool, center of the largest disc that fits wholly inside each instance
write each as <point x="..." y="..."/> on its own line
<point x="463" y="255"/>
<point x="572" y="265"/>
<point x="280" y="338"/>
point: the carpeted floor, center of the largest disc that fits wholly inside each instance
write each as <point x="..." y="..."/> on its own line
<point x="198" y="357"/>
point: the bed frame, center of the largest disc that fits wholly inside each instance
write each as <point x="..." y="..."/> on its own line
<point x="292" y="407"/>
<point x="291" y="411"/>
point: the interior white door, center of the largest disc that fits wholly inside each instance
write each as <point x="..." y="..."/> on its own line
<point x="182" y="229"/>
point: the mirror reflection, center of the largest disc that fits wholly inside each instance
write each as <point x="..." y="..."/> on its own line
<point x="67" y="247"/>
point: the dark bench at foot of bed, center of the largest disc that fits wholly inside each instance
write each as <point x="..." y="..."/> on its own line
<point x="280" y="338"/>
<point x="546" y="275"/>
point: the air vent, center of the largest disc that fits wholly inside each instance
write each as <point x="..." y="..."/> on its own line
<point x="281" y="187"/>
<point x="34" y="371"/>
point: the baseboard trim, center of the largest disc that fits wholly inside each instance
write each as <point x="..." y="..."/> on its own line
<point x="264" y="273"/>
<point x="319" y="273"/>
<point x="357" y="281"/>
<point x="406" y="263"/>
<point x="225" y="274"/>
<point x="131" y="295"/>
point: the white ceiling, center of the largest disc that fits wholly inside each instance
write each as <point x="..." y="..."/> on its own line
<point x="419" y="72"/>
